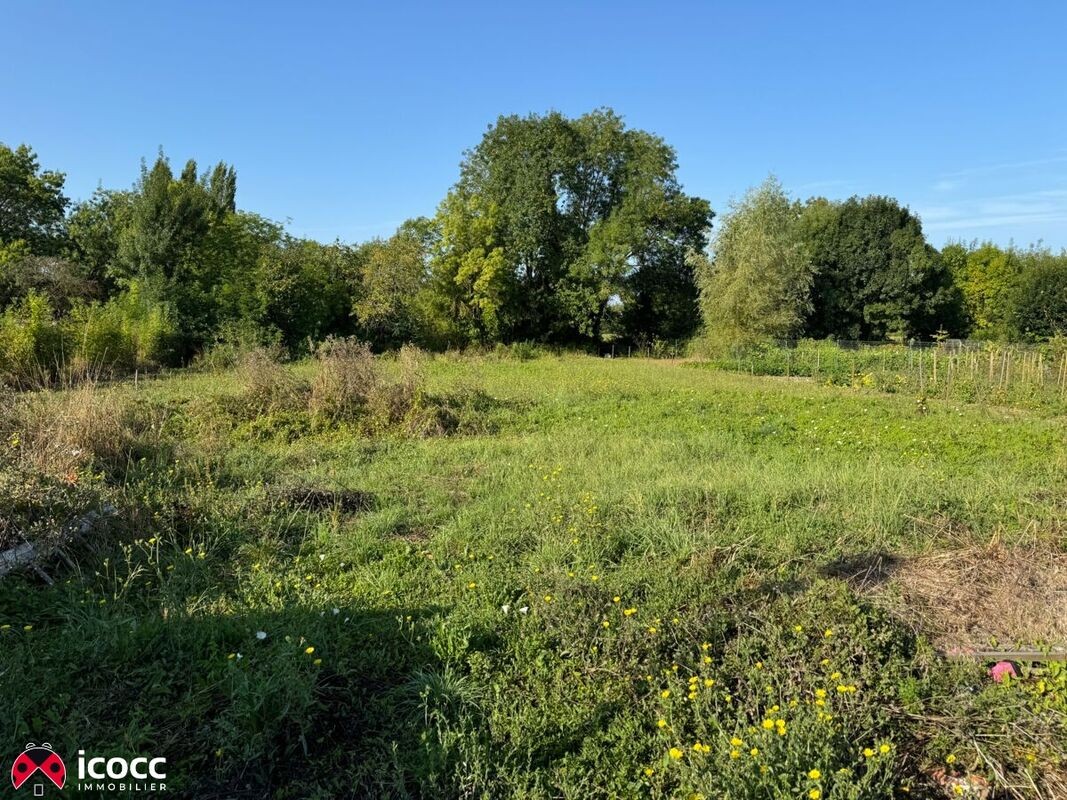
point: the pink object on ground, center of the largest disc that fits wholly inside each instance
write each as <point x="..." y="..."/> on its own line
<point x="1000" y="669"/>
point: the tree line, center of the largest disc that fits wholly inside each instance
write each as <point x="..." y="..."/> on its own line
<point x="569" y="231"/>
<point x="861" y="269"/>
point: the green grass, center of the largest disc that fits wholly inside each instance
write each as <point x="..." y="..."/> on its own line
<point x="467" y="637"/>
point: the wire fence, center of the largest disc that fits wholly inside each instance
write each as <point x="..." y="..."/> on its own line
<point x="962" y="370"/>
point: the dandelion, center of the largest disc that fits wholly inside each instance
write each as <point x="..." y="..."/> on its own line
<point x="548" y="598"/>
<point x="814" y="794"/>
<point x="701" y="748"/>
<point x="606" y="624"/>
<point x="665" y="693"/>
<point x="754" y="752"/>
<point x="616" y="599"/>
<point x="471" y="585"/>
<point x="736" y="742"/>
<point x="868" y="752"/>
<point x="309" y="650"/>
<point x="649" y="771"/>
<point x="820" y="693"/>
<point x="661" y="723"/>
<point x="759" y="665"/>
<point x="27" y="628"/>
<point x="675" y="753"/>
<point x="950" y="758"/>
<point x="231" y="656"/>
<point x="884" y="748"/>
<point x="651" y="629"/>
<point x="957" y="789"/>
<point x="317" y="662"/>
<point x="814" y="774"/>
<point x="827" y="633"/>
<point x="798" y="629"/>
<point x="705" y="646"/>
<point x="735" y="754"/>
<point x="709" y="682"/>
<point x="629" y="612"/>
<point x="768" y="724"/>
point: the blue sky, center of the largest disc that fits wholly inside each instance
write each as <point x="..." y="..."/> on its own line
<point x="346" y="118"/>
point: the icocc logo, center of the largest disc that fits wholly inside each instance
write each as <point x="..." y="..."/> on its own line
<point x="117" y="768"/>
<point x="42" y="768"/>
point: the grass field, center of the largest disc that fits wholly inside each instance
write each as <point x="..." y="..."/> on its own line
<point x="575" y="578"/>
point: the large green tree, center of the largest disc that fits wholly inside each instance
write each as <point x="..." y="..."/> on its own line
<point x="875" y="275"/>
<point x="304" y="290"/>
<point x="757" y="283"/>
<point x="32" y="203"/>
<point x="1038" y="303"/>
<point x="987" y="277"/>
<point x="554" y="219"/>
<point x="392" y="304"/>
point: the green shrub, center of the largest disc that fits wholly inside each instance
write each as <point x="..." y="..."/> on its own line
<point x="31" y="342"/>
<point x="128" y="332"/>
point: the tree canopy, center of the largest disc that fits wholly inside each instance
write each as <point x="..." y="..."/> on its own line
<point x="758" y="281"/>
<point x="573" y="231"/>
<point x="875" y="274"/>
<point x="554" y="219"/>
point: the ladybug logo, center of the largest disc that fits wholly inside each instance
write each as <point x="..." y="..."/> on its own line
<point x="38" y="758"/>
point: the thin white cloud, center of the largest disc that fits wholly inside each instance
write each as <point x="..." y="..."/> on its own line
<point x="1023" y="208"/>
<point x="1010" y="165"/>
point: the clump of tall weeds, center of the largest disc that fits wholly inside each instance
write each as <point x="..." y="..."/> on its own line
<point x="267" y="386"/>
<point x="346" y="378"/>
